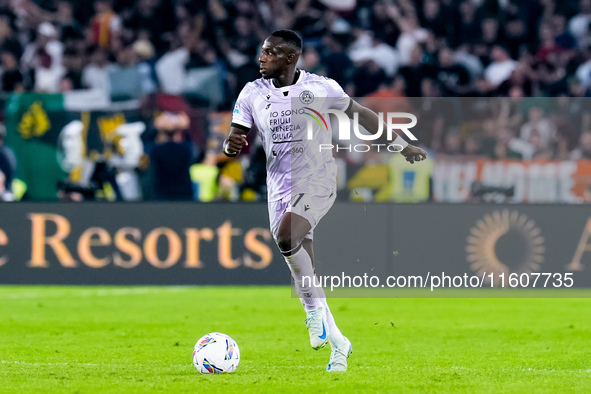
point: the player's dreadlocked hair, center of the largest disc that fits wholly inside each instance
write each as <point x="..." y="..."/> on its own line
<point x="290" y="37"/>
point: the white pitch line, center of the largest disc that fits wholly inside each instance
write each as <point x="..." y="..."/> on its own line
<point x="188" y="365"/>
<point x="38" y="364"/>
<point x="305" y="367"/>
<point x="527" y="370"/>
<point x="90" y="293"/>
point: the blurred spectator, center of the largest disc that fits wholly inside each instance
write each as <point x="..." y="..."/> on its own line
<point x="96" y="74"/>
<point x="471" y="62"/>
<point x="2" y="182"/>
<point x="437" y="114"/>
<point x="201" y="54"/>
<point x="452" y="144"/>
<point x="472" y="146"/>
<point x="105" y="25"/>
<point x="584" y="151"/>
<point x="170" y="68"/>
<point x="152" y="19"/>
<point x="8" y="39"/>
<point x="335" y="58"/>
<point x="7" y="167"/>
<point x="43" y="58"/>
<point x="243" y="44"/>
<point x="584" y="73"/>
<point x="310" y="61"/>
<point x="413" y="73"/>
<point x="490" y="36"/>
<point x="367" y="77"/>
<point x="171" y="157"/>
<point x="390" y="97"/>
<point x="204" y="177"/>
<point x="490" y="133"/>
<point x="518" y="84"/>
<point x="579" y="24"/>
<point x="515" y="36"/>
<point x="467" y="28"/>
<point x="12" y="78"/>
<point x="453" y="77"/>
<point x="563" y="37"/>
<point x="505" y="147"/>
<point x="539" y="124"/>
<point x="368" y="48"/>
<point x="126" y="56"/>
<point x="412" y="34"/>
<point x="500" y="68"/>
<point x="549" y="46"/>
<point x="146" y="67"/>
<point x="64" y="18"/>
<point x="380" y="23"/>
<point x="73" y="64"/>
<point x="125" y="79"/>
<point x="436" y="17"/>
<point x="568" y="114"/>
<point x="540" y="149"/>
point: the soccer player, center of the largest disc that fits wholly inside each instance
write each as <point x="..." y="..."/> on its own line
<point x="301" y="178"/>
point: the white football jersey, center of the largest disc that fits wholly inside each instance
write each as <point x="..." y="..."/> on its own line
<point x="282" y="117"/>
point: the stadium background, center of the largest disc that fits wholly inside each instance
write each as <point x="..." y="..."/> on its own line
<point x="499" y="87"/>
<point x="113" y="63"/>
<point x="96" y="191"/>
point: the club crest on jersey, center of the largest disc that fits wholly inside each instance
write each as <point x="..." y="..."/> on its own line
<point x="306" y="97"/>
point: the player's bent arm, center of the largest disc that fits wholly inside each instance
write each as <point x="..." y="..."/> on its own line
<point x="236" y="140"/>
<point x="371" y="121"/>
<point x="367" y="118"/>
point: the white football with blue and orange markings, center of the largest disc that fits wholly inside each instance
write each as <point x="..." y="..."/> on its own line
<point x="216" y="353"/>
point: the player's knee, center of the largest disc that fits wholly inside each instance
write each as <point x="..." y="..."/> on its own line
<point x="285" y="242"/>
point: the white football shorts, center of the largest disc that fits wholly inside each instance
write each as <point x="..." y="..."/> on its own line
<point x="310" y="201"/>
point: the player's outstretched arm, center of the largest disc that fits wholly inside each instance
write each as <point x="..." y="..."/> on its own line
<point x="371" y="121"/>
<point x="235" y="141"/>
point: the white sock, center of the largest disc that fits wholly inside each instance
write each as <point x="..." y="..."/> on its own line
<point x="311" y="297"/>
<point x="335" y="338"/>
<point x="300" y="265"/>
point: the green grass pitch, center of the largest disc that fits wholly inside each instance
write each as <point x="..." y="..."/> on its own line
<point x="140" y="339"/>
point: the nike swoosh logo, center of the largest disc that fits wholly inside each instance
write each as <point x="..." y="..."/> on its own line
<point x="323" y="336"/>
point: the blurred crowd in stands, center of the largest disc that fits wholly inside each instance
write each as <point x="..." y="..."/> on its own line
<point x="439" y="50"/>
